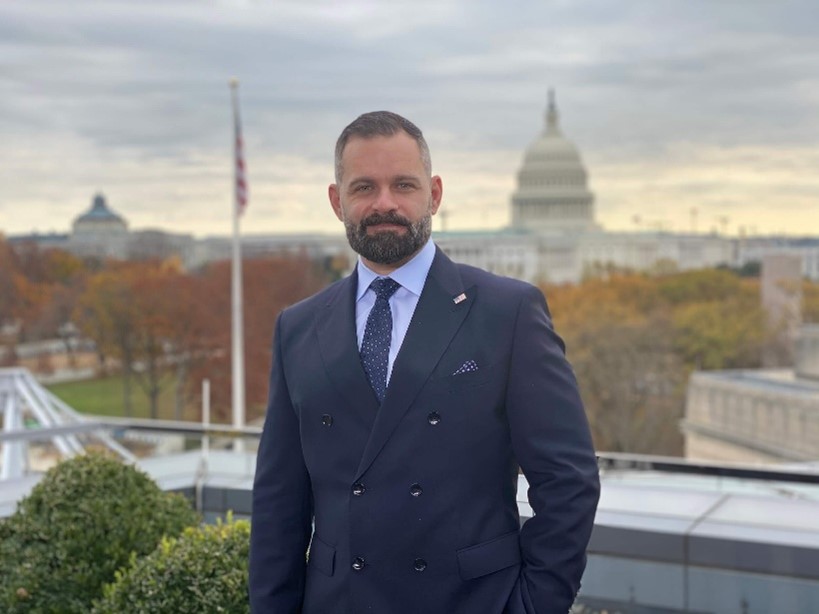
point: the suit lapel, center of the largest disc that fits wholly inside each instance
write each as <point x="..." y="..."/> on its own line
<point x="338" y="345"/>
<point x="437" y="318"/>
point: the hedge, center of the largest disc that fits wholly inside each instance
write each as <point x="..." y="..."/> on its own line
<point x="79" y="525"/>
<point x="204" y="570"/>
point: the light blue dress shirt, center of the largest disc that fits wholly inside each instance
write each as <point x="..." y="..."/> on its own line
<point x="412" y="277"/>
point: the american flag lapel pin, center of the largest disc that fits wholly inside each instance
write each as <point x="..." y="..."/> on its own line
<point x="460" y="298"/>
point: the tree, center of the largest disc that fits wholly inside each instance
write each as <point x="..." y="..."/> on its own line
<point x="699" y="285"/>
<point x="632" y="382"/>
<point x="190" y="341"/>
<point x="145" y="315"/>
<point x="20" y="301"/>
<point x="724" y="334"/>
<point x="810" y="302"/>
<point x="48" y="266"/>
<point x="9" y="297"/>
<point x="154" y="293"/>
<point x="49" y="281"/>
<point x="270" y="285"/>
<point x="19" y="297"/>
<point x="106" y="313"/>
<point x="619" y="339"/>
<point x="634" y="339"/>
<point x="38" y="289"/>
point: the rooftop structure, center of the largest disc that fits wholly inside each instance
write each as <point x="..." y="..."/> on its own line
<point x="28" y="409"/>
<point x="670" y="536"/>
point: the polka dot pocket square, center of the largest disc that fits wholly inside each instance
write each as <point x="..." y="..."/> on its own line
<point x="468" y="367"/>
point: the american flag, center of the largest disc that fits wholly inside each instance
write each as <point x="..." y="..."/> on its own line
<point x="238" y="148"/>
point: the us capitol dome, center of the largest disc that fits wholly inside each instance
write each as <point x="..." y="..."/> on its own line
<point x="552" y="192"/>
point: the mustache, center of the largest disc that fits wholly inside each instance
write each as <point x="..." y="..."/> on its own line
<point x="384" y="218"/>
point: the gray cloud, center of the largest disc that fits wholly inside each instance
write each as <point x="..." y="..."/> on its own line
<point x="117" y="84"/>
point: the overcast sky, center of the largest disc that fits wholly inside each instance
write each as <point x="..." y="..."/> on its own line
<point x="674" y="104"/>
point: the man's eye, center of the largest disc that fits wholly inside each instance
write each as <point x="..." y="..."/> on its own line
<point x="405" y="186"/>
<point x="362" y="188"/>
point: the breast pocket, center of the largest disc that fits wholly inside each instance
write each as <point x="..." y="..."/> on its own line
<point x="479" y="376"/>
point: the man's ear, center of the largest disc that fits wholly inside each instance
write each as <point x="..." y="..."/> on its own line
<point x="335" y="201"/>
<point x="437" y="193"/>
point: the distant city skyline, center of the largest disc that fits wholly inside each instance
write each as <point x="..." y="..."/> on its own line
<point x="674" y="107"/>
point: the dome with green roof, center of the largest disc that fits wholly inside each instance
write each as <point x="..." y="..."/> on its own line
<point x="99" y="219"/>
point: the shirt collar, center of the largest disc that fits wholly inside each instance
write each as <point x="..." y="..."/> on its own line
<point x="411" y="275"/>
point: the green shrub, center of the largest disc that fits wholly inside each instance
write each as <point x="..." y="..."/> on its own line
<point x="80" y="524"/>
<point x="204" y="570"/>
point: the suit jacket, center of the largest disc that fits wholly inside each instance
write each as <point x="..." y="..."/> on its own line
<point x="409" y="508"/>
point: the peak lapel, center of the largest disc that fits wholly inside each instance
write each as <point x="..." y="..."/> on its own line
<point x="439" y="314"/>
<point x="335" y="323"/>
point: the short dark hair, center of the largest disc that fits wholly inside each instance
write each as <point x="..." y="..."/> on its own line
<point x="380" y="123"/>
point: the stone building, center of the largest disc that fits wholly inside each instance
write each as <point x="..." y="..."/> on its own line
<point x="99" y="232"/>
<point x="757" y="416"/>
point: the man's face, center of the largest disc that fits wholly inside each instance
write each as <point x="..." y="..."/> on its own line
<point x="385" y="199"/>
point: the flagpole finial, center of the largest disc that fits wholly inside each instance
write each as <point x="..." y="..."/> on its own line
<point x="234" y="82"/>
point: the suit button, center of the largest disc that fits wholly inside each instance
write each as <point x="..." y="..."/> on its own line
<point x="358" y="489"/>
<point x="434" y="418"/>
<point x="420" y="565"/>
<point x="327" y="420"/>
<point x="416" y="490"/>
<point x="358" y="563"/>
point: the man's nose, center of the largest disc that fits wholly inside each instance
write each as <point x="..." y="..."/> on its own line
<point x="384" y="201"/>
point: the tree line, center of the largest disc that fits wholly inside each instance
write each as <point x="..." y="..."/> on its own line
<point x="633" y="338"/>
<point x="153" y="322"/>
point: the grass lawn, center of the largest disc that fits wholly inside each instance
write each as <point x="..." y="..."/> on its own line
<point x="104" y="397"/>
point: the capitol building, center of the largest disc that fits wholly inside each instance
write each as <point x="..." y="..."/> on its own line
<point x="553" y="236"/>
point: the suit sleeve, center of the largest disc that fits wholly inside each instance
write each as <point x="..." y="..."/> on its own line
<point x="552" y="443"/>
<point x="282" y="503"/>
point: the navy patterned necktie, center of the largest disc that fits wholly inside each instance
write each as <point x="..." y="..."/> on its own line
<point x="375" y="346"/>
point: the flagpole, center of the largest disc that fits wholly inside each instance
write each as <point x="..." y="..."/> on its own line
<point x="239" y="200"/>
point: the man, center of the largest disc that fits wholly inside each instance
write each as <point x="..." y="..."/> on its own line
<point x="399" y="413"/>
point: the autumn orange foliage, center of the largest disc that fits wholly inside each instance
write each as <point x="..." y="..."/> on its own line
<point x="634" y="339"/>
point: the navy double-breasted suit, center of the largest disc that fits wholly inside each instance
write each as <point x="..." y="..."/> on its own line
<point x="409" y="508"/>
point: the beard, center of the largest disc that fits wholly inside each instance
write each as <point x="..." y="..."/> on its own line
<point x="388" y="247"/>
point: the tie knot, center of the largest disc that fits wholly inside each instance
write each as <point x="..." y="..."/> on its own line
<point x="384" y="287"/>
